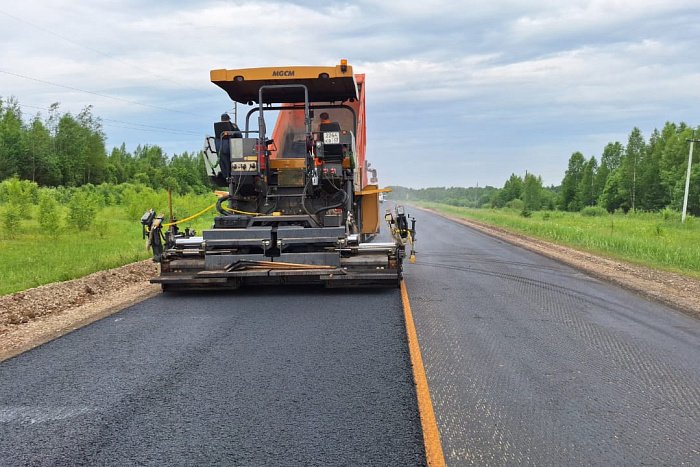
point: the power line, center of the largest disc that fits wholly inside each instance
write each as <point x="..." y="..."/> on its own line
<point x="129" y="126"/>
<point x="151" y="127"/>
<point x="106" y="96"/>
<point x="104" y="54"/>
<point x="132" y="125"/>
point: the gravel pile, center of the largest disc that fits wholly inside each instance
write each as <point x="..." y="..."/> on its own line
<point x="36" y="315"/>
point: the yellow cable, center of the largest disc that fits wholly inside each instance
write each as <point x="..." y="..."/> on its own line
<point x="241" y="212"/>
<point x="207" y="209"/>
<point x="191" y="217"/>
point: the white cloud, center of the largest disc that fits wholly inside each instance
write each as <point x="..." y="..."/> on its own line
<point x="594" y="15"/>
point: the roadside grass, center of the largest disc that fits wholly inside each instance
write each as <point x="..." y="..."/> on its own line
<point x="657" y="240"/>
<point x="30" y="257"/>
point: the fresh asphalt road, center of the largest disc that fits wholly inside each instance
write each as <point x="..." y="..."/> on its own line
<point x="263" y="377"/>
<point x="532" y="362"/>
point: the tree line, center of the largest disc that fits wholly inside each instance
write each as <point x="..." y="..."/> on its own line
<point x="640" y="176"/>
<point x="522" y="193"/>
<point x="69" y="150"/>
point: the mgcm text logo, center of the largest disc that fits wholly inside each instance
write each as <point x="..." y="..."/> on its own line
<point x="283" y="73"/>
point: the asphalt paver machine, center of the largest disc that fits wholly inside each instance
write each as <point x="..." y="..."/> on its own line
<point x="302" y="204"/>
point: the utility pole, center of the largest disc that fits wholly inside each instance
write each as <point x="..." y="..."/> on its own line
<point x="692" y="142"/>
<point x="634" y="181"/>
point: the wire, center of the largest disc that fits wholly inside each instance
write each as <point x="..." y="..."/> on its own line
<point x="104" y="54"/>
<point x="106" y="96"/>
<point x="336" y="205"/>
<point x="329" y="180"/>
<point x="151" y="126"/>
<point x="303" y="195"/>
<point x="135" y="125"/>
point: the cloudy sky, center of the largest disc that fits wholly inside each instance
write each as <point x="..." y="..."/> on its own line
<point x="459" y="92"/>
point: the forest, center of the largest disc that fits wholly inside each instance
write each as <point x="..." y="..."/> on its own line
<point x="69" y="150"/>
<point x="639" y="176"/>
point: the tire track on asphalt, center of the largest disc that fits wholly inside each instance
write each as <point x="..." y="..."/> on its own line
<point x="532" y="362"/>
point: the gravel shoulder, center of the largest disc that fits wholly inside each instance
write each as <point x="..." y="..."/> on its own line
<point x="35" y="316"/>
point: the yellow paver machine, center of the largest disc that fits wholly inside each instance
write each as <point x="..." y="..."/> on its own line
<point x="302" y="204"/>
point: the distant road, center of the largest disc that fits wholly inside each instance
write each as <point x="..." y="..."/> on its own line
<point x="532" y="362"/>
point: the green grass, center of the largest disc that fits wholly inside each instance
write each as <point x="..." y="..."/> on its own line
<point x="657" y="240"/>
<point x="34" y="258"/>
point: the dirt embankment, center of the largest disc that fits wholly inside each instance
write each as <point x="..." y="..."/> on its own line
<point x="32" y="317"/>
<point x="678" y="291"/>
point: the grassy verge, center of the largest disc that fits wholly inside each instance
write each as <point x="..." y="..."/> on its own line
<point x="657" y="240"/>
<point x="30" y="257"/>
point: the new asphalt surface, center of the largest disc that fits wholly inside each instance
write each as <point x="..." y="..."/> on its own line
<point x="272" y="377"/>
<point x="532" y="362"/>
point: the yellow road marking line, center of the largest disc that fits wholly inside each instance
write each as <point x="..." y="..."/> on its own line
<point x="431" y="435"/>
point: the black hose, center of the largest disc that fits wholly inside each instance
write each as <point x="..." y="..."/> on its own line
<point x="337" y="205"/>
<point x="303" y="195"/>
<point x="221" y="200"/>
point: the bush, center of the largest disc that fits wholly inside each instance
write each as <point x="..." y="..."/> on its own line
<point x="141" y="179"/>
<point x="11" y="219"/>
<point x="172" y="183"/>
<point x="81" y="211"/>
<point x="593" y="211"/>
<point x="64" y="194"/>
<point x="526" y="213"/>
<point x="516" y="204"/>
<point x="108" y="195"/>
<point x="14" y="190"/>
<point x="49" y="213"/>
<point x="138" y="199"/>
<point x="669" y="214"/>
<point x="19" y="193"/>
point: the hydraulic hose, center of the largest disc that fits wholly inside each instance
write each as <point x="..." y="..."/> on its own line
<point x="303" y="196"/>
<point x="336" y="205"/>
<point x="219" y="207"/>
<point x="224" y="210"/>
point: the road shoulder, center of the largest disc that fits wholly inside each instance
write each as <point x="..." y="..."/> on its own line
<point x="35" y="316"/>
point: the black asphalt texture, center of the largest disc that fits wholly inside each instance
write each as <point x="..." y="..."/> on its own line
<point x="531" y="362"/>
<point x="301" y="376"/>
